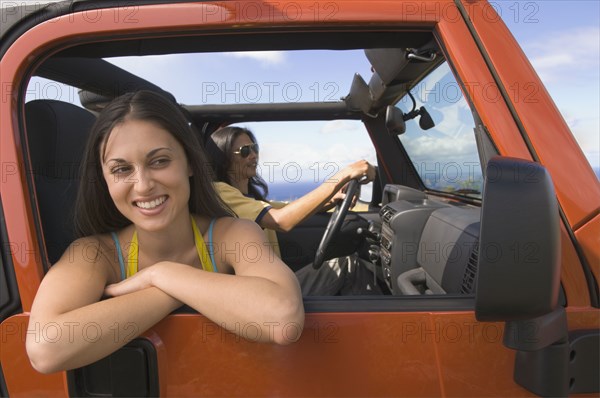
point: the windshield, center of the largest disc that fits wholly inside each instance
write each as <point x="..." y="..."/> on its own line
<point x="445" y="156"/>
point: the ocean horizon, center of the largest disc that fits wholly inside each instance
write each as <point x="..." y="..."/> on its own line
<point x="286" y="191"/>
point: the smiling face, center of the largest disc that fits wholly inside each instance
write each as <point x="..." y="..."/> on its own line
<point x="242" y="168"/>
<point x="147" y="174"/>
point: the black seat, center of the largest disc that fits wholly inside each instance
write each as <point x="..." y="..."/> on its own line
<point x="56" y="133"/>
<point x="447" y="254"/>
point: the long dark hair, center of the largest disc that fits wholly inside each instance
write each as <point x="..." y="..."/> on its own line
<point x="220" y="149"/>
<point x="95" y="211"/>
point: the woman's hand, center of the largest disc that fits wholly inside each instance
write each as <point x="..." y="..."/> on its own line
<point x="340" y="196"/>
<point x="70" y="294"/>
<point x="360" y="170"/>
<point x="140" y="281"/>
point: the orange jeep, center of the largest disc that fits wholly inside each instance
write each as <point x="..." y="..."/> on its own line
<point x="481" y="232"/>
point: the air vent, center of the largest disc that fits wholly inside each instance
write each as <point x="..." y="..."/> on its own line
<point x="469" y="281"/>
<point x="387" y="214"/>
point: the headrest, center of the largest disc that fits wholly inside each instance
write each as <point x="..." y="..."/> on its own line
<point x="57" y="132"/>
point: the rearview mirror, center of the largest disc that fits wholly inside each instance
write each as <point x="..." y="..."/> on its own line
<point x="394" y="120"/>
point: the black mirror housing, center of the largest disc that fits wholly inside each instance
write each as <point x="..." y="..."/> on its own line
<point x="394" y="120"/>
<point x="519" y="247"/>
<point x="425" y="121"/>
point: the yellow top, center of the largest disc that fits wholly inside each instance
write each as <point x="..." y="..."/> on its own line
<point x="206" y="258"/>
<point x="249" y="208"/>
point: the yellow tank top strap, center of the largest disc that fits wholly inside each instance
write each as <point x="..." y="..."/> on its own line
<point x="132" y="256"/>
<point x="203" y="254"/>
<point x="207" y="264"/>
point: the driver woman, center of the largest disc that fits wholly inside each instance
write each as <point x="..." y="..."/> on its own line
<point x="234" y="153"/>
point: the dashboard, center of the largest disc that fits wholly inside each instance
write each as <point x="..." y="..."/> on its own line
<point x="428" y="245"/>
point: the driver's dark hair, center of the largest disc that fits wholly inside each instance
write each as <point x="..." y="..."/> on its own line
<point x="95" y="211"/>
<point x="220" y="149"/>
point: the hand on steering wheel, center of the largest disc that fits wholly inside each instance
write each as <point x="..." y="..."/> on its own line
<point x="335" y="222"/>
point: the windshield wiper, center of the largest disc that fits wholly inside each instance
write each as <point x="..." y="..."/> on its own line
<point x="466" y="191"/>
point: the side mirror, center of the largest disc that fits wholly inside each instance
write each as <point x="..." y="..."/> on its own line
<point x="394" y="120"/>
<point x="519" y="242"/>
<point x="518" y="276"/>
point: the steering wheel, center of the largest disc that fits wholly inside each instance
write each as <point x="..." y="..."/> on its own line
<point x="335" y="222"/>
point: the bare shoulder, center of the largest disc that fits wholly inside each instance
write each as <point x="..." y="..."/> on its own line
<point x="242" y="246"/>
<point x="92" y="254"/>
<point x="77" y="279"/>
<point x="237" y="229"/>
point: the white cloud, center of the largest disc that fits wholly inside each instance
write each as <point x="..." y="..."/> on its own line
<point x="568" y="62"/>
<point x="342" y="154"/>
<point x="547" y="61"/>
<point x="565" y="53"/>
<point x="454" y="123"/>
<point x="266" y="58"/>
<point x="280" y="161"/>
<point x="586" y="131"/>
<point x="153" y="68"/>
<point x="429" y="147"/>
<point x="340" y="126"/>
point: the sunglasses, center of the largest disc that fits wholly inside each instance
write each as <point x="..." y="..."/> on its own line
<point x="244" y="151"/>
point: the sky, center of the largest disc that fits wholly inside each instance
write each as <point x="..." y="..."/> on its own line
<point x="561" y="38"/>
<point x="562" y="41"/>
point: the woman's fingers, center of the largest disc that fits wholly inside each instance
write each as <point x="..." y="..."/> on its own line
<point x="139" y="281"/>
